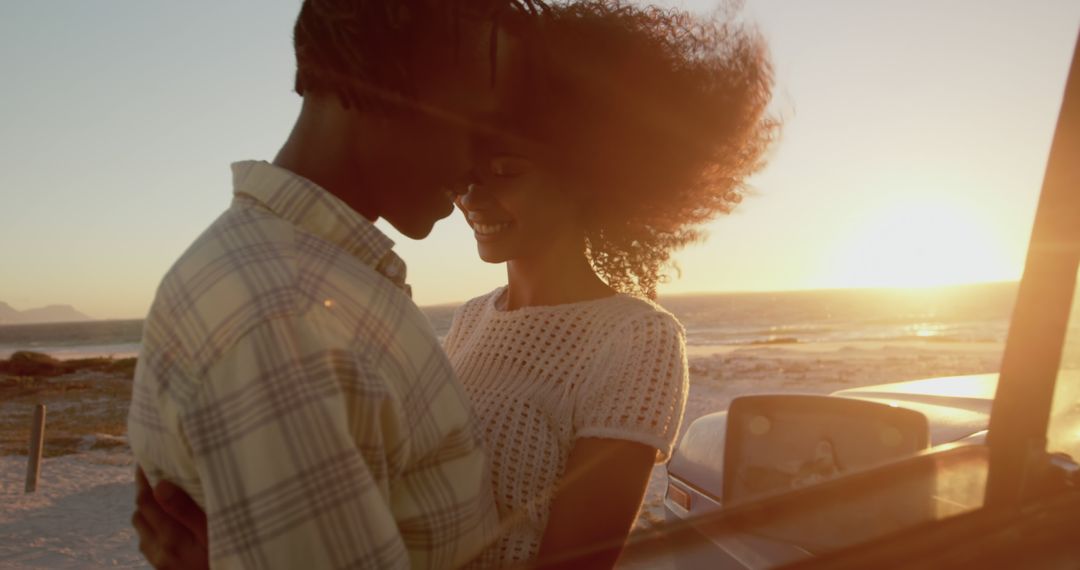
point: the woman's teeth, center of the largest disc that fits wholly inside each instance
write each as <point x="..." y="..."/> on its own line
<point x="490" y="229"/>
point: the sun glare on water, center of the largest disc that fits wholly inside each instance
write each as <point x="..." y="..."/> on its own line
<point x="916" y="245"/>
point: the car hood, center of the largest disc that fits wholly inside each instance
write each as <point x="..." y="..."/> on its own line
<point x="956" y="407"/>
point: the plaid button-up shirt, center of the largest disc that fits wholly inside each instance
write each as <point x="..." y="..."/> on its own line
<point x="289" y="384"/>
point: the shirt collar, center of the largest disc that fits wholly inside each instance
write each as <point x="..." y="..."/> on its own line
<point x="310" y="207"/>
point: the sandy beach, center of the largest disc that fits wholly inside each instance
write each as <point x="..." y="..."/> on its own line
<point x="79" y="518"/>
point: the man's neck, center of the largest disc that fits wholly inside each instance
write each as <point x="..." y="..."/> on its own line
<point x="322" y="148"/>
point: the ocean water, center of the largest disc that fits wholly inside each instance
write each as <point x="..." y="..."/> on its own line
<point x="119" y="339"/>
<point x="965" y="313"/>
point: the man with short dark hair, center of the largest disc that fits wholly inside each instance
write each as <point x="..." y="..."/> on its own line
<point x="286" y="381"/>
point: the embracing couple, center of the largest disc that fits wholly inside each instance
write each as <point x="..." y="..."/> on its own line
<point x="292" y="405"/>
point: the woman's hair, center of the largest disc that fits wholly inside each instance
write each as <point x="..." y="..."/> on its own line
<point x="369" y="53"/>
<point x="659" y="116"/>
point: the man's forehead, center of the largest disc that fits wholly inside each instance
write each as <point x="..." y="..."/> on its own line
<point x="491" y="48"/>
<point x="488" y="75"/>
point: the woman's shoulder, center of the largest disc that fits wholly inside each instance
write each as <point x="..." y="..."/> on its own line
<point x="473" y="311"/>
<point x="478" y="303"/>
<point x="632" y="314"/>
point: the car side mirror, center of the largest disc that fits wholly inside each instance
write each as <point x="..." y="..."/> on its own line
<point x="775" y="443"/>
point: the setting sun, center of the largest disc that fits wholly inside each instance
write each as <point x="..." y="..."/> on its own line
<point x="917" y="244"/>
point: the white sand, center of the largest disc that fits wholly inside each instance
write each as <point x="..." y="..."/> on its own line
<point x="79" y="518"/>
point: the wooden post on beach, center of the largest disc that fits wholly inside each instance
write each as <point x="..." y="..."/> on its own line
<point x="37" y="443"/>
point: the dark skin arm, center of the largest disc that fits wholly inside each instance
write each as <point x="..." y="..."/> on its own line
<point x="597" y="502"/>
<point x="171" y="526"/>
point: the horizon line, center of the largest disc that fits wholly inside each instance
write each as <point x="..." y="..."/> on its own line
<point x="667" y="296"/>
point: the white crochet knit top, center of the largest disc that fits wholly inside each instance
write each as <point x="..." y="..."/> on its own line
<point x="541" y="377"/>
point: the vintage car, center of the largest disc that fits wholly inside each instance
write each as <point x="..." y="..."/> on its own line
<point x="974" y="471"/>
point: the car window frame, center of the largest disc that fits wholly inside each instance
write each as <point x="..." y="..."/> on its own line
<point x="1020" y="414"/>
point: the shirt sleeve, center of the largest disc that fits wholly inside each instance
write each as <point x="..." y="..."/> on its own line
<point x="639" y="390"/>
<point x="294" y="470"/>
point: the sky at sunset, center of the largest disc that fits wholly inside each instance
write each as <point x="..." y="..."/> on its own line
<point x="916" y="134"/>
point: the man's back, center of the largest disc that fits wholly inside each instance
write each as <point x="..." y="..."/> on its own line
<point x="289" y="384"/>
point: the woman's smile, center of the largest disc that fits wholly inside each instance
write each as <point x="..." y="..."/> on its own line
<point x="486" y="227"/>
<point x="489" y="230"/>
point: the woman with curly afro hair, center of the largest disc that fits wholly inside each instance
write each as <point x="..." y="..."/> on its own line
<point x="630" y="128"/>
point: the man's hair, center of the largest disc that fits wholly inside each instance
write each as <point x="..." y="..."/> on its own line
<point x="370" y="52"/>
<point x="659" y="117"/>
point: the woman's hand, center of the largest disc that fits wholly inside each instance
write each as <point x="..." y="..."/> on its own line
<point x="597" y="502"/>
<point x="171" y="526"/>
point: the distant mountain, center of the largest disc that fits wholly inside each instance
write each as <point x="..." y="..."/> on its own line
<point x="7" y="314"/>
<point x="50" y="314"/>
